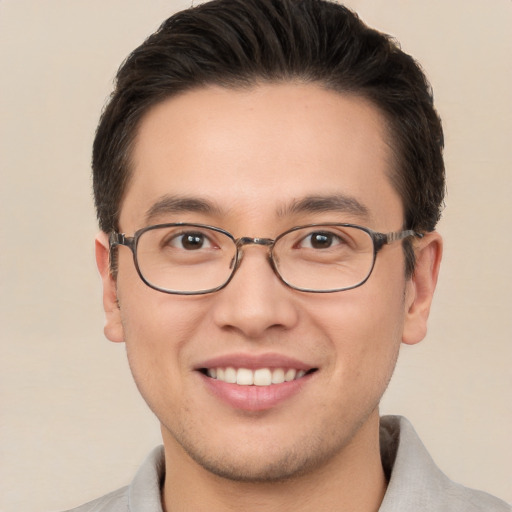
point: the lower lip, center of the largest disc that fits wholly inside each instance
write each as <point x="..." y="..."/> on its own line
<point x="254" y="398"/>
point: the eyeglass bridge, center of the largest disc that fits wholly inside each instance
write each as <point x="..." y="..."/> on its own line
<point x="247" y="240"/>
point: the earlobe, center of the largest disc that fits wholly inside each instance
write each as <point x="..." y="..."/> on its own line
<point x="113" y="326"/>
<point x="421" y="287"/>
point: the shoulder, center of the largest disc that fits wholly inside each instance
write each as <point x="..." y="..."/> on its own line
<point x="459" y="498"/>
<point x="416" y="483"/>
<point x="142" y="495"/>
<point x="116" y="501"/>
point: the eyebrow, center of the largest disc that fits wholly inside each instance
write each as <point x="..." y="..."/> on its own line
<point x="339" y="203"/>
<point x="332" y="203"/>
<point x="176" y="204"/>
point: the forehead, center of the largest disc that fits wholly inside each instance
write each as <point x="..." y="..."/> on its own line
<point x="257" y="151"/>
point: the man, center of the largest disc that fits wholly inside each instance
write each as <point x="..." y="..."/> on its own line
<point x="268" y="176"/>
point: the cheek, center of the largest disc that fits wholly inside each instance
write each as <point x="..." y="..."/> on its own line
<point x="156" y="336"/>
<point x="157" y="328"/>
<point x="364" y="328"/>
<point x="153" y="321"/>
<point x="157" y="325"/>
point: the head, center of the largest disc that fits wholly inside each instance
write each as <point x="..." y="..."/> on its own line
<point x="238" y="44"/>
<point x="256" y="116"/>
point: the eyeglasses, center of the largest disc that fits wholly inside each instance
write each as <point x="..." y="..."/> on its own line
<point x="194" y="259"/>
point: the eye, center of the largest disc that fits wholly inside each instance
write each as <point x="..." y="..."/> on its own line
<point x="190" y="241"/>
<point x="320" y="240"/>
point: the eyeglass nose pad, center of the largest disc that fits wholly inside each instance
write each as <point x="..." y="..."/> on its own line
<point x="236" y="259"/>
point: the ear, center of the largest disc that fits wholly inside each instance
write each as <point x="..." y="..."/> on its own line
<point x="421" y="286"/>
<point x="113" y="327"/>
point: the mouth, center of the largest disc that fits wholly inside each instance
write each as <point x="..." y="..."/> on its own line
<point x="255" y="377"/>
<point x="256" y="383"/>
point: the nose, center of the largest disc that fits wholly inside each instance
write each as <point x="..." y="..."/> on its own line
<point x="255" y="301"/>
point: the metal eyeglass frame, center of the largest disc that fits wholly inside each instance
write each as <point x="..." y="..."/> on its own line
<point x="378" y="239"/>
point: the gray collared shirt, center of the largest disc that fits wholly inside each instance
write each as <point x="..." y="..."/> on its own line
<point x="415" y="482"/>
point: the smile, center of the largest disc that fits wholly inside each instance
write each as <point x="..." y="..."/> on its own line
<point x="256" y="377"/>
<point x="255" y="383"/>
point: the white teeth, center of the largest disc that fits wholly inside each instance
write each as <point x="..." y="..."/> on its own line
<point x="263" y="377"/>
<point x="244" y="377"/>
<point x="290" y="375"/>
<point x="278" y="376"/>
<point x="230" y="375"/>
<point x="259" y="377"/>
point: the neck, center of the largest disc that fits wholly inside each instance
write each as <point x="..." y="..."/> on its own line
<point x="352" y="479"/>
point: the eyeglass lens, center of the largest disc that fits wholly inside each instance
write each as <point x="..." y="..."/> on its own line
<point x="194" y="259"/>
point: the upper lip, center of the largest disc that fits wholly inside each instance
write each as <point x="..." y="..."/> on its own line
<point x="254" y="362"/>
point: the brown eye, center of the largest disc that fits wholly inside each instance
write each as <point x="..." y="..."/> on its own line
<point x="190" y="241"/>
<point x="320" y="240"/>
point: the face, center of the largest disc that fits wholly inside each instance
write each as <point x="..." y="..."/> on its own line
<point x="250" y="156"/>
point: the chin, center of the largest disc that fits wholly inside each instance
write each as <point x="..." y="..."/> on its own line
<point x="262" y="461"/>
<point x="286" y="467"/>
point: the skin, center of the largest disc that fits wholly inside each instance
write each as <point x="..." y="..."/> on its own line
<point x="252" y="153"/>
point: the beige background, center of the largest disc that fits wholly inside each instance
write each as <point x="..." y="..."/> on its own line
<point x="72" y="425"/>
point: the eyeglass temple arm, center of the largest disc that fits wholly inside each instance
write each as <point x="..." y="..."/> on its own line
<point x="382" y="239"/>
<point x="116" y="239"/>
